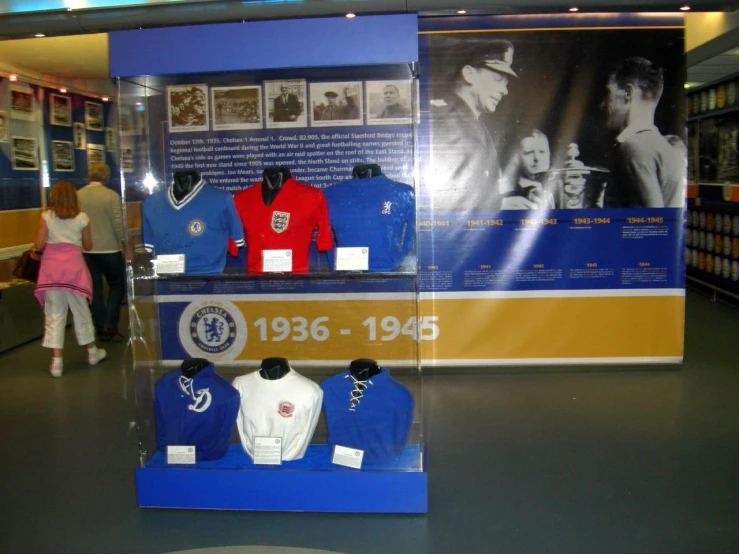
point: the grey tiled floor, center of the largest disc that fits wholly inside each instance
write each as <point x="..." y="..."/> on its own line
<point x="520" y="461"/>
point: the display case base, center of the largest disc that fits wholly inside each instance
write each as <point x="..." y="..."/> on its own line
<point x="311" y="484"/>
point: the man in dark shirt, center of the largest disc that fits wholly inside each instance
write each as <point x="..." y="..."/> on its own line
<point x="648" y="172"/>
<point x="287" y="106"/>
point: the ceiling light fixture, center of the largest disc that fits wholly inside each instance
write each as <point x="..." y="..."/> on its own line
<point x="39" y="35"/>
<point x="13" y="77"/>
<point x="351" y="15"/>
<point x="685" y="8"/>
<point x="62" y="90"/>
<point x="461" y="12"/>
<point x="105" y="98"/>
<point x="574" y="9"/>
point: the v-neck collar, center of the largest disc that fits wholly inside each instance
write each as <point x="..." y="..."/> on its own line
<point x="189" y="196"/>
<point x="288" y="183"/>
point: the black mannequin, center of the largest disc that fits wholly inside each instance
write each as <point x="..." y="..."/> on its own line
<point x="366" y="171"/>
<point x="272" y="180"/>
<point x="274" y="368"/>
<point x="184" y="182"/>
<point x="364" y="368"/>
<point x="192" y="366"/>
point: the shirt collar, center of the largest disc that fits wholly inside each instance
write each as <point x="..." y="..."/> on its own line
<point x="631" y="130"/>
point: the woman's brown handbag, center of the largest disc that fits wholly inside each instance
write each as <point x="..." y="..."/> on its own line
<point x="27" y="267"/>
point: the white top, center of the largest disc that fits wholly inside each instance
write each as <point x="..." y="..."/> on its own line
<point x="288" y="408"/>
<point x="67" y="231"/>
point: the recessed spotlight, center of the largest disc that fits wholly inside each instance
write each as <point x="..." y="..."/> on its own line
<point x="685" y="8"/>
<point x="13" y="77"/>
<point x="574" y="9"/>
<point x="39" y="35"/>
<point x="461" y="12"/>
<point x="139" y="104"/>
<point x="62" y="90"/>
<point x="351" y="15"/>
<point x="105" y="98"/>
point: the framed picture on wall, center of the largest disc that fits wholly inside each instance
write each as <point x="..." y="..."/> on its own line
<point x="336" y="104"/>
<point x="22" y="103"/>
<point x="127" y="160"/>
<point x="236" y="107"/>
<point x="110" y="139"/>
<point x="62" y="155"/>
<point x="60" y="112"/>
<point x="285" y="103"/>
<point x="24" y="153"/>
<point x="80" y="139"/>
<point x="187" y="107"/>
<point x="95" y="153"/>
<point x="94" y="116"/>
<point x="388" y="102"/>
<point x="3" y="126"/>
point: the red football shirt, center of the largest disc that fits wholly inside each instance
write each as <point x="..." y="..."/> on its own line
<point x="287" y="223"/>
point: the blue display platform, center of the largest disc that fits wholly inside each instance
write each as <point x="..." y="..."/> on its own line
<point x="311" y="484"/>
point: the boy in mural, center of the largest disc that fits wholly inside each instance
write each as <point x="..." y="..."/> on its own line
<point x="648" y="172"/>
<point x="465" y="172"/>
<point x="529" y="192"/>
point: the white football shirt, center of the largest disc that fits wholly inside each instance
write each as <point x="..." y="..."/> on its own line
<point x="288" y="408"/>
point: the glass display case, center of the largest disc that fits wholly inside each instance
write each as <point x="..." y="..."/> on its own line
<point x="712" y="237"/>
<point x="271" y="223"/>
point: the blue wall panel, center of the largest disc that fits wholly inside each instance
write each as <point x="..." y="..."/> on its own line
<point x="337" y="41"/>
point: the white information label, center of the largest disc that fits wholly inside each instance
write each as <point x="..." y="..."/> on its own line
<point x="352" y="259"/>
<point x="170" y="263"/>
<point x="277" y="261"/>
<point x="180" y="454"/>
<point x="349" y="457"/>
<point x="268" y="451"/>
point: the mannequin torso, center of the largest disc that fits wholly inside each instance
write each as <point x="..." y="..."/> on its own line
<point x="272" y="180"/>
<point x="274" y="368"/>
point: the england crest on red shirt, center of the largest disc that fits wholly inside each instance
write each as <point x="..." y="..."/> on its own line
<point x="280" y="221"/>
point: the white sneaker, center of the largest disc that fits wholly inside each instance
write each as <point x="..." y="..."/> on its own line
<point x="57" y="367"/>
<point x="97" y="357"/>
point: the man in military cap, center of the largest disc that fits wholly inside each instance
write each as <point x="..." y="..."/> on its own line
<point x="465" y="171"/>
<point x="331" y="111"/>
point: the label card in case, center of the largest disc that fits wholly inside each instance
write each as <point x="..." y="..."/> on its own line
<point x="277" y="261"/>
<point x="352" y="259"/>
<point x="348" y="457"/>
<point x="180" y="454"/>
<point x="268" y="451"/>
<point x="170" y="264"/>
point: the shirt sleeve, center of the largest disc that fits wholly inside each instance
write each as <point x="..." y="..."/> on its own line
<point x="324" y="240"/>
<point x="83" y="219"/>
<point x="410" y="223"/>
<point x="233" y="222"/>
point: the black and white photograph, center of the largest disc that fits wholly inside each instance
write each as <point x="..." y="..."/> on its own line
<point x="285" y="103"/>
<point x="562" y="119"/>
<point x="236" y="107"/>
<point x="4" y="126"/>
<point x="62" y="155"/>
<point x="95" y="153"/>
<point x="110" y="142"/>
<point x="94" y="116"/>
<point x="388" y="102"/>
<point x="22" y="104"/>
<point x="336" y="104"/>
<point x="80" y="134"/>
<point x="24" y="153"/>
<point x="60" y="112"/>
<point x="127" y="160"/>
<point x="125" y="120"/>
<point x="187" y="107"/>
